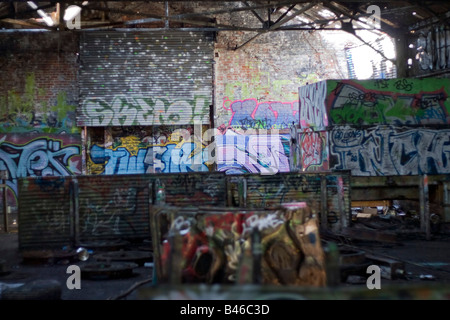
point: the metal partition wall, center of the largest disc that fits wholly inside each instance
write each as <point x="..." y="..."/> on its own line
<point x="54" y="212"/>
<point x="59" y="211"/>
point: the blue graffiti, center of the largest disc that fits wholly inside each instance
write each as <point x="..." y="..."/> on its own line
<point x="167" y="159"/>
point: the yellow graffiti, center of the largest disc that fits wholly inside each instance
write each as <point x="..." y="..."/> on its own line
<point x="131" y="143"/>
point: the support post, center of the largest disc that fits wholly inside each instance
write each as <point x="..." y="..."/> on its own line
<point x="75" y="208"/>
<point x="323" y="203"/>
<point x="4" y="177"/>
<point x="424" y="207"/>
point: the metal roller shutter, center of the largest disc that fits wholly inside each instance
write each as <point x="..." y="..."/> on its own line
<point x="145" y="78"/>
<point x="45" y="213"/>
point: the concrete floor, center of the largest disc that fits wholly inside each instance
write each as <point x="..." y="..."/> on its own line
<point x="426" y="262"/>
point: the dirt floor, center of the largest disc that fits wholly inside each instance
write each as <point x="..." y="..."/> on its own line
<point x="412" y="266"/>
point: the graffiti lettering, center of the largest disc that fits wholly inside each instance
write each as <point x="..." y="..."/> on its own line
<point x="264" y="154"/>
<point x="127" y="111"/>
<point x="270" y="221"/>
<point x="375" y="18"/>
<point x="251" y="114"/>
<point x="313" y="148"/>
<point x="40" y="157"/>
<point x="404" y="85"/>
<point x="99" y="219"/>
<point x="312" y="105"/>
<point x="169" y="158"/>
<point x="389" y="151"/>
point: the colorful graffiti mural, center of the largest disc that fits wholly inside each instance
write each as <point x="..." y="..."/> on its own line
<point x="252" y="114"/>
<point x="227" y="245"/>
<point x="375" y="127"/>
<point x="392" y="102"/>
<point x="369" y="102"/>
<point x="263" y="153"/>
<point x="163" y="150"/>
<point x="35" y="155"/>
<point x="314" y="150"/>
<point x="390" y="150"/>
<point x="126" y="110"/>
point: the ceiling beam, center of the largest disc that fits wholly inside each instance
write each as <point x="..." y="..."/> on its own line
<point x="254" y="12"/>
<point x="279" y="23"/>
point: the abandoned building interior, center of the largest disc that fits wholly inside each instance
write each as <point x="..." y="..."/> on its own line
<point x="264" y="149"/>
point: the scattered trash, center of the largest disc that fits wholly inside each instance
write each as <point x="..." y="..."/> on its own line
<point x="426" y="277"/>
<point x="83" y="254"/>
<point x="47" y="256"/>
<point x="105" y="245"/>
<point x="32" y="290"/>
<point x="138" y="257"/>
<point x="107" y="270"/>
<point x="355" y="279"/>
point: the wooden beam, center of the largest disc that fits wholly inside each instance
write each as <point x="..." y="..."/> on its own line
<point x="26" y="23"/>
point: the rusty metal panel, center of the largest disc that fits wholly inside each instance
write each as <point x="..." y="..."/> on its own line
<point x="145" y="78"/>
<point x="113" y="207"/>
<point x="44" y="212"/>
<point x="193" y="188"/>
<point x="57" y="211"/>
<point x="269" y="191"/>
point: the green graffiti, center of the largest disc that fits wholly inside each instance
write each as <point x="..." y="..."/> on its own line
<point x="28" y="110"/>
<point x="399" y="101"/>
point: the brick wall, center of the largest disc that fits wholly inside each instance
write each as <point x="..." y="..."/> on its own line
<point x="38" y="81"/>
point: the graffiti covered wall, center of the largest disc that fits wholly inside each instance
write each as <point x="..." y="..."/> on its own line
<point x="38" y="97"/>
<point x="376" y="127"/>
<point x="256" y="93"/>
<point x="391" y="150"/>
<point x="251" y="114"/>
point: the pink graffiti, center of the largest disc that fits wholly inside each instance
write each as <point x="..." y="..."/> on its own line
<point x="251" y="114"/>
<point x="312" y="148"/>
